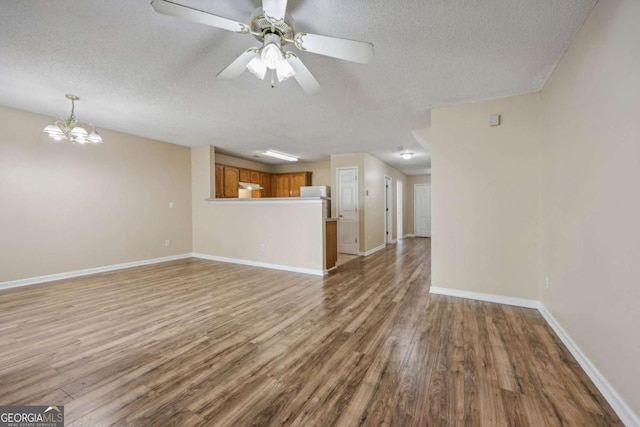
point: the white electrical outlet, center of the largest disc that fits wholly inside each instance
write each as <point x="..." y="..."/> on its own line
<point x="167" y="243"/>
<point x="263" y="247"/>
<point x="172" y="205"/>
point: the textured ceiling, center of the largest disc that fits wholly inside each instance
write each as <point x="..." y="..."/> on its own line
<point x="152" y="75"/>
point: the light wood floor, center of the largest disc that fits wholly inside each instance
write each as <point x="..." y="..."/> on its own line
<point x="195" y="342"/>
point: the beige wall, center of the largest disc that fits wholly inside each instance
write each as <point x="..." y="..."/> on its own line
<point x="485" y="197"/>
<point x="241" y="163"/>
<point x="371" y="173"/>
<point x="557" y="179"/>
<point x="375" y="172"/>
<point x="409" y="205"/>
<point x="590" y="196"/>
<point x="237" y="229"/>
<point x="202" y="161"/>
<point x="374" y="216"/>
<point x="230" y="229"/>
<point x="71" y="207"/>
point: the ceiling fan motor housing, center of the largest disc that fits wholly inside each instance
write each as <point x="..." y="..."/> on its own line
<point x="261" y="26"/>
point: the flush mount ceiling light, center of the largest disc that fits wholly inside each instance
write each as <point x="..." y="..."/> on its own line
<point x="281" y="156"/>
<point x="71" y="129"/>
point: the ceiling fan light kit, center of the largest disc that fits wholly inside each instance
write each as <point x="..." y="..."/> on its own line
<point x="273" y="27"/>
<point x="272" y="58"/>
<point x="71" y="129"/>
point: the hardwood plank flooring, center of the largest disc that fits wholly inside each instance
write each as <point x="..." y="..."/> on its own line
<point x="201" y="343"/>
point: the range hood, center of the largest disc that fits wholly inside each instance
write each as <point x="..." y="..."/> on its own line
<point x="249" y="186"/>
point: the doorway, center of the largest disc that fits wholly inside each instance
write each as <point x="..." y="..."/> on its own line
<point x="388" y="210"/>
<point x="422" y="210"/>
<point x="347" y="209"/>
<point x="399" y="211"/>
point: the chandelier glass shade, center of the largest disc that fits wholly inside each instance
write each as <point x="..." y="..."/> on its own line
<point x="272" y="58"/>
<point x="71" y="129"/>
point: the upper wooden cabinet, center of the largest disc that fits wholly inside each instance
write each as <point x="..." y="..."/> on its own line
<point x="245" y="175"/>
<point x="283" y="185"/>
<point x="231" y="180"/>
<point x="219" y="177"/>
<point x="227" y="179"/>
<point x="248" y="175"/>
<point x="300" y="179"/>
<point x="265" y="183"/>
<point x="288" y="184"/>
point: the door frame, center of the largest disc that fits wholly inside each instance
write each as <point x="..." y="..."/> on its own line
<point x="399" y="210"/>
<point x="415" y="207"/>
<point x="388" y="210"/>
<point x="357" y="204"/>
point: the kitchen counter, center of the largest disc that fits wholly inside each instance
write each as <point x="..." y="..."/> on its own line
<point x="269" y="199"/>
<point x="285" y="233"/>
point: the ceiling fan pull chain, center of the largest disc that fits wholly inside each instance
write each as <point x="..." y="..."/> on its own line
<point x="273" y="85"/>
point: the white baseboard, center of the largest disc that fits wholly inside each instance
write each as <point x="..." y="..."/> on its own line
<point x="626" y="414"/>
<point x="371" y="251"/>
<point x="86" y="272"/>
<point x="393" y="241"/>
<point x="408" y="235"/>
<point x="260" y="264"/>
<point x="622" y="409"/>
<point x="518" y="302"/>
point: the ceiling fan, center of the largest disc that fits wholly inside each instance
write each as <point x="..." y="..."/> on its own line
<point x="272" y="26"/>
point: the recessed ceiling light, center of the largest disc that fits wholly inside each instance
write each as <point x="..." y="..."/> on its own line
<point x="281" y="156"/>
<point x="406" y="156"/>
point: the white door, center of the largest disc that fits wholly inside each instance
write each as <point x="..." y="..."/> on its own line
<point x="422" y="210"/>
<point x="400" y="232"/>
<point x="388" y="210"/>
<point x="348" y="210"/>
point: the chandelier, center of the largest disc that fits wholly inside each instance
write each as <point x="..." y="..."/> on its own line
<point x="71" y="129"/>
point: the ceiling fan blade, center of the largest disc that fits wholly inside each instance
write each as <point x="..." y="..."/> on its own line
<point x="304" y="77"/>
<point x="236" y="68"/>
<point x="349" y="50"/>
<point x="185" y="12"/>
<point x="275" y="9"/>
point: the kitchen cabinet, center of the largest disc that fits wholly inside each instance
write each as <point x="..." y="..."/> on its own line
<point x="331" y="243"/>
<point x="219" y="181"/>
<point x="283" y="185"/>
<point x="227" y="179"/>
<point x="301" y="179"/>
<point x="288" y="184"/>
<point x="265" y="183"/>
<point x="245" y="175"/>
<point x="231" y="180"/>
